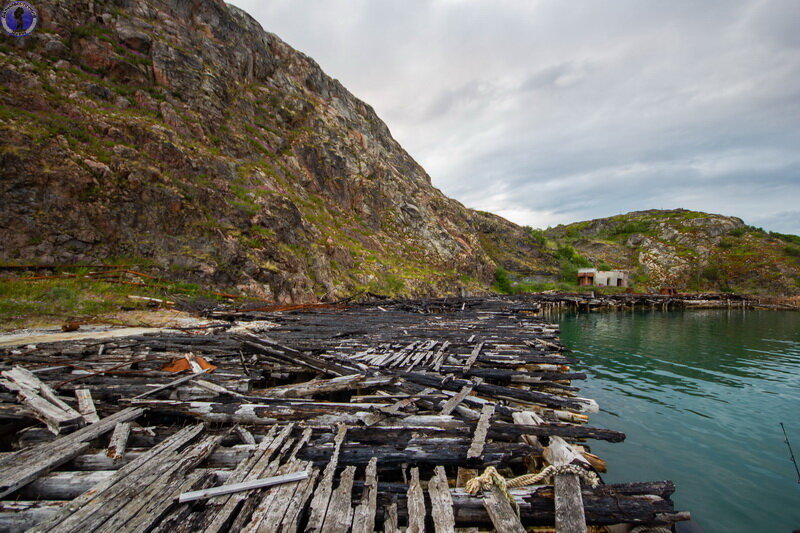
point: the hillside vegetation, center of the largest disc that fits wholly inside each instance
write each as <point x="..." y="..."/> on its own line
<point x="688" y="250"/>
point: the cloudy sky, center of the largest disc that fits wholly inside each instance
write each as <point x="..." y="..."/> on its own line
<point x="547" y="111"/>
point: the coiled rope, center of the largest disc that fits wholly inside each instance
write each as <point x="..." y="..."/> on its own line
<point x="491" y="476"/>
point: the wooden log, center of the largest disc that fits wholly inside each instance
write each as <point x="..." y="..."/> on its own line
<point x="86" y="406"/>
<point x="22" y="467"/>
<point x="22" y="515"/>
<point x="364" y="515"/>
<point x="119" y="441"/>
<point x="494" y="391"/>
<point x="339" y="515"/>
<point x="481" y="430"/>
<point x="501" y="512"/>
<point x="326" y="386"/>
<point x="416" y="504"/>
<point x="441" y="502"/>
<point x="604" y="506"/>
<point x="63" y="485"/>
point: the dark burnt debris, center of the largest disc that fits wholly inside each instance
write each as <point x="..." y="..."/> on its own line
<point x="390" y="408"/>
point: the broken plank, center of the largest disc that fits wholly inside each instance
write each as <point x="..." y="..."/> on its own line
<point x="86" y="406"/>
<point x="481" y="430"/>
<point x="454" y="401"/>
<point x="473" y="356"/>
<point x="416" y="504"/>
<point x="340" y="513"/>
<point x="364" y="516"/>
<point x="441" y="502"/>
<point x="319" y="504"/>
<point x="119" y="441"/>
<point x="171" y="384"/>
<point x="501" y="512"/>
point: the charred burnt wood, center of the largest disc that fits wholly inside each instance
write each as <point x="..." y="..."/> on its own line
<point x="494" y="391"/>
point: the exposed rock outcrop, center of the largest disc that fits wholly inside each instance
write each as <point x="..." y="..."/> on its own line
<point x="183" y="135"/>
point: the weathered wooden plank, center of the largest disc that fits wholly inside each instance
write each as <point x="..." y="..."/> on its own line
<point x="260" y="464"/>
<point x="416" y="504"/>
<point x="481" y="430"/>
<point x="42" y="400"/>
<point x="473" y="356"/>
<point x="297" y="506"/>
<point x="441" y="502"/>
<point x="321" y="499"/>
<point x="454" y="401"/>
<point x="94" y="507"/>
<point x="147" y="502"/>
<point x="325" y="386"/>
<point x="364" y="515"/>
<point x="501" y="512"/>
<point x="22" y="467"/>
<point x="171" y="384"/>
<point x="569" y="504"/>
<point x="339" y="516"/>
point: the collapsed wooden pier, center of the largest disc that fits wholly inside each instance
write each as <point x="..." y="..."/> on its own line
<point x="374" y="417"/>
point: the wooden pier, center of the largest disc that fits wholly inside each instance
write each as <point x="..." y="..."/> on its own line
<point x="398" y="416"/>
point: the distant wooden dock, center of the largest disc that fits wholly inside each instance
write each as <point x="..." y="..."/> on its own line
<point x="397" y="416"/>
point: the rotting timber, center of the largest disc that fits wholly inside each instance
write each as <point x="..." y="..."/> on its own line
<point x="390" y="409"/>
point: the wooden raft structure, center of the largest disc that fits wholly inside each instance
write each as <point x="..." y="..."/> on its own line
<point x="358" y="418"/>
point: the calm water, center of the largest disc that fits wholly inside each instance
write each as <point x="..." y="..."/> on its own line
<point x="699" y="395"/>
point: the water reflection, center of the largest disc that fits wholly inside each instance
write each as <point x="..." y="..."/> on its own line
<point x="700" y="395"/>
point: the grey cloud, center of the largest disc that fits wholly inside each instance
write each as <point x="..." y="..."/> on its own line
<point x="548" y="111"/>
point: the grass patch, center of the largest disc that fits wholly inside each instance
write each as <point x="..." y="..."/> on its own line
<point x="38" y="302"/>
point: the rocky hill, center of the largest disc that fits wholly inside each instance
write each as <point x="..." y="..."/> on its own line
<point x="181" y="136"/>
<point x="688" y="250"/>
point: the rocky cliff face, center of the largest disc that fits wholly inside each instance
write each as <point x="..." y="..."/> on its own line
<point x="689" y="250"/>
<point x="181" y="135"/>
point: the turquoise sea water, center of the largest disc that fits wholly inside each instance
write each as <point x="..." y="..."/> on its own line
<point x="700" y="395"/>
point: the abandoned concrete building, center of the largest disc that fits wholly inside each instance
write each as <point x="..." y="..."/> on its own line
<point x="588" y="277"/>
